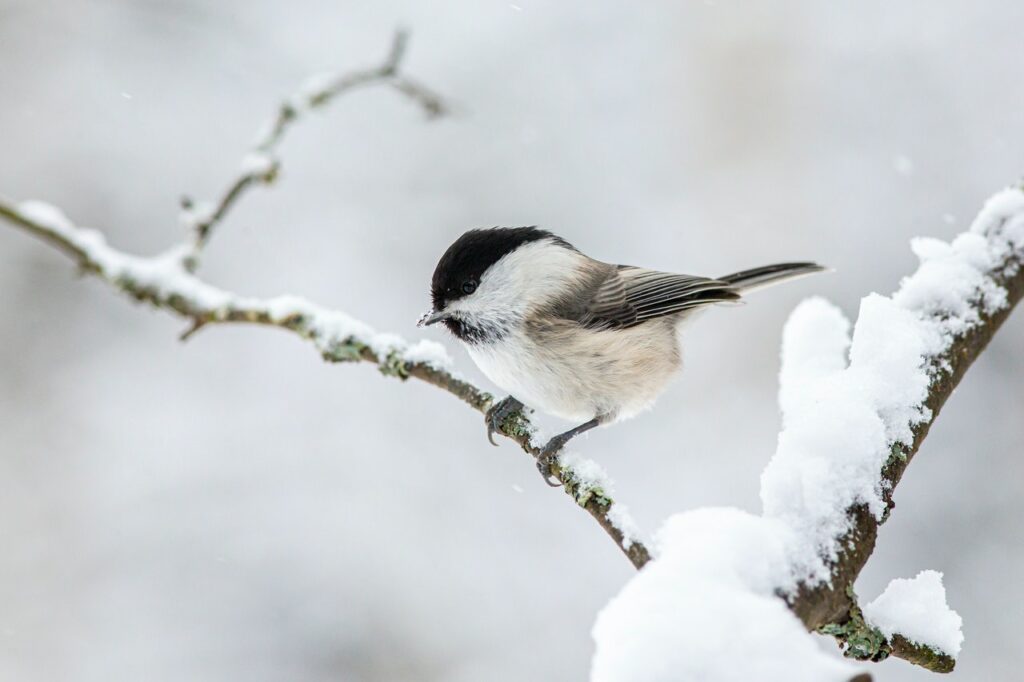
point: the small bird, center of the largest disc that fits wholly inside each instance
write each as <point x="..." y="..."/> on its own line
<point x="587" y="341"/>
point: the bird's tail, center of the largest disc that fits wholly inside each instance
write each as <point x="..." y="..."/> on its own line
<point x="757" y="278"/>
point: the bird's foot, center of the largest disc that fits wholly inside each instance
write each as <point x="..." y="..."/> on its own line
<point x="547" y="457"/>
<point x="498" y="413"/>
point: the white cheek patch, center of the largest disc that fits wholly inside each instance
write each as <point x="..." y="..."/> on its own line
<point x="529" y="276"/>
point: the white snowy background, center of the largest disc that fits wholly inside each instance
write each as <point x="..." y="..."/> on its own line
<point x="234" y="508"/>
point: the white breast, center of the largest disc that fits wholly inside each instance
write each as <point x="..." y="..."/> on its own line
<point x="513" y="364"/>
<point x="581" y="374"/>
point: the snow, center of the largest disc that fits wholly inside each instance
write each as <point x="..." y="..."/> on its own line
<point x="711" y="594"/>
<point x="386" y="343"/>
<point x="889" y="358"/>
<point x="1003" y="213"/>
<point x="330" y="326"/>
<point x="165" y="276"/>
<point x="197" y="214"/>
<point x="314" y="88"/>
<point x="427" y="352"/>
<point x="257" y="164"/>
<point x="840" y="421"/>
<point x="705" y="610"/>
<point x="586" y="471"/>
<point x="952" y="279"/>
<point x="593" y="479"/>
<point x="46" y="215"/>
<point x="815" y="343"/>
<point x="916" y="608"/>
<point x="620" y="517"/>
<point x="283" y="307"/>
<point x="841" y="417"/>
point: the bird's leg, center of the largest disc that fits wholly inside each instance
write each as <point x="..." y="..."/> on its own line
<point x="497" y="415"/>
<point x="551" y="449"/>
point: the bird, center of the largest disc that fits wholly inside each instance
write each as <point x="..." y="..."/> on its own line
<point x="590" y="342"/>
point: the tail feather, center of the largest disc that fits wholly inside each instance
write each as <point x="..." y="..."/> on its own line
<point x="757" y="278"/>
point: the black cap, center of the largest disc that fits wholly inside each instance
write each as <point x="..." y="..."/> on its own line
<point x="459" y="271"/>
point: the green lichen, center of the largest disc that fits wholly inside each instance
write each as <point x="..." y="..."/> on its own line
<point x="288" y="112"/>
<point x="393" y="365"/>
<point x="860" y="640"/>
<point x="348" y="350"/>
<point x="516" y="425"/>
<point x="597" y="495"/>
<point x="270" y="176"/>
<point x="865" y="643"/>
<point x="897" y="453"/>
<point x="176" y="301"/>
<point x="923" y="655"/>
<point x="584" y="494"/>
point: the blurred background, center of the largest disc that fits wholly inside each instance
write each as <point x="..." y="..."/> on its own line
<point x="233" y="508"/>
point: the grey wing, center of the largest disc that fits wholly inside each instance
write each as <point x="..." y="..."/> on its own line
<point x="629" y="296"/>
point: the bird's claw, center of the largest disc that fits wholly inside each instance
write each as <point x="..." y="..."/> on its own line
<point x="497" y="415"/>
<point x="547" y="457"/>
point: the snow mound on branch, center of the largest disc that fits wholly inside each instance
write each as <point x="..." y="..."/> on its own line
<point x="706" y="609"/>
<point x="843" y="417"/>
<point x="840" y="421"/>
<point x="916" y="608"/>
<point x="257" y="164"/>
<point x="1003" y="213"/>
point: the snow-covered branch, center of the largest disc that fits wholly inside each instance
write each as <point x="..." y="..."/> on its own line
<point x="166" y="282"/>
<point x="169" y="281"/>
<point x="915" y="347"/>
<point x="855" y="411"/>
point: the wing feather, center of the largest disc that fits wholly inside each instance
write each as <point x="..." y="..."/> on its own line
<point x="629" y="296"/>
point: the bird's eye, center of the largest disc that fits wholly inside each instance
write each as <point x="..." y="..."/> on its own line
<point x="469" y="286"/>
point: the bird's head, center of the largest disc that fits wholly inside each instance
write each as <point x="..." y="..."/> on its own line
<point x="488" y="279"/>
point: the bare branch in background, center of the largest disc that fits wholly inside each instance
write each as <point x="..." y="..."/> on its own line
<point x="261" y="165"/>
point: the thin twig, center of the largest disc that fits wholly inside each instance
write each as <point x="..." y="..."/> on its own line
<point x="261" y="167"/>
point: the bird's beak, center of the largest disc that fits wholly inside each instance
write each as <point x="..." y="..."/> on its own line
<point x="431" y="316"/>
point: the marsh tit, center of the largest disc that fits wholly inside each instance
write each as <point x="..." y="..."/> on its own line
<point x="587" y="341"/>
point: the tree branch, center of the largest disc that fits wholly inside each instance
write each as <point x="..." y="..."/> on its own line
<point x="866" y="643"/>
<point x="261" y="166"/>
<point x="168" y="281"/>
<point x="164" y="282"/>
<point x="832" y="607"/>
